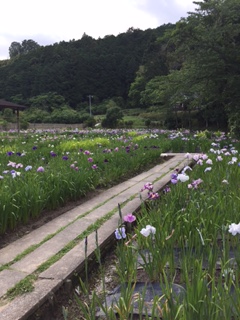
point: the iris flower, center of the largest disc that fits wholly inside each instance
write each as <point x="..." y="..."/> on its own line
<point x="12" y="164"/>
<point x="166" y="189"/>
<point x="147" y="186"/>
<point x="129" y="218"/>
<point x="15" y="173"/>
<point x="182" y="177"/>
<point x="225" y="181"/>
<point x="153" y="195"/>
<point x="234" y="228"/>
<point x="148" y="230"/>
<point x="186" y="168"/>
<point x="195" y="183"/>
<point x="209" y="161"/>
<point x="19" y="165"/>
<point x="53" y="154"/>
<point x="120" y="233"/>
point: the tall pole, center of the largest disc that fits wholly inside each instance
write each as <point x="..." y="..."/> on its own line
<point x="90" y="104"/>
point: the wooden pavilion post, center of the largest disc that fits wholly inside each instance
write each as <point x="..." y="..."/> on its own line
<point x="18" y="124"/>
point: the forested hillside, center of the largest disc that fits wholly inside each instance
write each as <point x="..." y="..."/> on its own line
<point x="104" y="68"/>
<point x="189" y="73"/>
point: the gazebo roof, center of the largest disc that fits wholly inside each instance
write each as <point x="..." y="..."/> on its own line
<point x="6" y="104"/>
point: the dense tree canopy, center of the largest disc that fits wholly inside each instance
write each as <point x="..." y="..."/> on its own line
<point x="104" y="68"/>
<point x="190" y="67"/>
<point x="17" y="48"/>
<point x="204" y="63"/>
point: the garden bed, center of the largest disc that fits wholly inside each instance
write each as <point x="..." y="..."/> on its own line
<point x="191" y="247"/>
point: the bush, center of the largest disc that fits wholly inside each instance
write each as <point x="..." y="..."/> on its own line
<point x="24" y="125"/>
<point x="90" y="122"/>
<point x="114" y="114"/>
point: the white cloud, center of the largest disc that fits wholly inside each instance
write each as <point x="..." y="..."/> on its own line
<point x="56" y="20"/>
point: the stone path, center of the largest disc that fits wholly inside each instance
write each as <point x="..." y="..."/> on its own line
<point x="58" y="233"/>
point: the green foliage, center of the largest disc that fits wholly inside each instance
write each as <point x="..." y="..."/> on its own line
<point x="234" y="124"/>
<point x="17" y="48"/>
<point x="90" y="122"/>
<point x="8" y="115"/>
<point x="47" y="101"/>
<point x="104" y="67"/>
<point x="206" y="46"/>
<point x="113" y="115"/>
<point x="24" y="125"/>
<point x="4" y="124"/>
<point x="64" y="115"/>
<point x="99" y="109"/>
<point x="193" y="64"/>
<point x="22" y="287"/>
<point x="35" y="115"/>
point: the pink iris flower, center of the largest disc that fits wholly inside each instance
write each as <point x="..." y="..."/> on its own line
<point x="129" y="218"/>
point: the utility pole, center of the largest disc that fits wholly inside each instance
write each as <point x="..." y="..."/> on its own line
<point x="90" y="104"/>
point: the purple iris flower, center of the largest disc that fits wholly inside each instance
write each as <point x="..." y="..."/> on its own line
<point x="94" y="166"/>
<point x="65" y="157"/>
<point x="166" y="189"/>
<point x="18" y="154"/>
<point x="9" y="153"/>
<point x="147" y="186"/>
<point x="153" y="195"/>
<point x="196" y="183"/>
<point x="120" y="233"/>
<point x="40" y="169"/>
<point x="53" y="154"/>
<point x="174" y="178"/>
<point x="34" y="147"/>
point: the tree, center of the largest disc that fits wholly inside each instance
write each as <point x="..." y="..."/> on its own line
<point x="28" y="46"/>
<point x="113" y="115"/>
<point x="136" y="88"/>
<point x="47" y="101"/>
<point x="207" y="45"/>
<point x="17" y="48"/>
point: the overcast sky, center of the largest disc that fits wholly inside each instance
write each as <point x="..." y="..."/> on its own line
<point x="51" y="21"/>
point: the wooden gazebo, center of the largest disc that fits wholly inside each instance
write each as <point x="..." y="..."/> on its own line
<point x="15" y="107"/>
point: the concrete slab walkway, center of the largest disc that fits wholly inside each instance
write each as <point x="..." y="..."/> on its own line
<point x="69" y="228"/>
